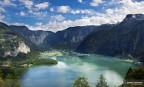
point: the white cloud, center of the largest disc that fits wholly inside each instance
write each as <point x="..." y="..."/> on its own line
<point x="56" y="26"/>
<point x="80" y="1"/>
<point x="110" y="16"/>
<point x="63" y="9"/>
<point x="84" y="11"/>
<point x="75" y="11"/>
<point x="38" y="24"/>
<point x="1" y="17"/>
<point x="22" y="13"/>
<point x="2" y="10"/>
<point x="28" y="3"/>
<point x="57" y="18"/>
<point x="67" y="9"/>
<point x="7" y="3"/>
<point x="127" y="7"/>
<point x="95" y="2"/>
<point x="131" y="7"/>
<point x="52" y="9"/>
<point x="37" y="14"/>
<point x="42" y="5"/>
<point x="33" y="10"/>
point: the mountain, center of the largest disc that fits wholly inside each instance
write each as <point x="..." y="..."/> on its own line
<point x="69" y="38"/>
<point x="11" y="44"/>
<point x="124" y="39"/>
<point x="36" y="37"/>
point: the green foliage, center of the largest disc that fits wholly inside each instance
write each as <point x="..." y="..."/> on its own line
<point x="41" y="61"/>
<point x="12" y="72"/>
<point x="1" y="82"/>
<point x="81" y="82"/>
<point x="7" y="71"/>
<point x="10" y="77"/>
<point x="23" y="56"/>
<point x="1" y="74"/>
<point x="102" y="82"/>
<point x="47" y="61"/>
<point x="135" y="74"/>
<point x="128" y="74"/>
<point x="32" y="58"/>
<point x="11" y="83"/>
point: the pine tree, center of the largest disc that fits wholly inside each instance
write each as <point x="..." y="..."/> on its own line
<point x="11" y="81"/>
<point x="81" y="82"/>
<point x="128" y="74"/>
<point x="1" y="80"/>
<point x="102" y="82"/>
<point x="1" y="74"/>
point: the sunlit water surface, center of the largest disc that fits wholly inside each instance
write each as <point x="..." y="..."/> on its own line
<point x="70" y="68"/>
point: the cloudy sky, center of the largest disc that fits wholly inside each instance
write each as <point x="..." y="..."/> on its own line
<point x="55" y="15"/>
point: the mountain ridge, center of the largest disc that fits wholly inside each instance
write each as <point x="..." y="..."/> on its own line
<point x="125" y="39"/>
<point x="11" y="44"/>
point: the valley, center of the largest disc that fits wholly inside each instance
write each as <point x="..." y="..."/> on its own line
<point x="63" y="56"/>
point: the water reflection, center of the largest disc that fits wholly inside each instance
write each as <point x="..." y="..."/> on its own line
<point x="69" y="68"/>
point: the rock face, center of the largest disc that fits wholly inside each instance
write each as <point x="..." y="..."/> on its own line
<point x="37" y="37"/>
<point x="23" y="48"/>
<point x="69" y="38"/>
<point x="66" y="39"/>
<point x="126" y="38"/>
<point x="73" y="36"/>
<point x="10" y="43"/>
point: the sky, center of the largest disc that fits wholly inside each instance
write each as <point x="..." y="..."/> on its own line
<point x="56" y="15"/>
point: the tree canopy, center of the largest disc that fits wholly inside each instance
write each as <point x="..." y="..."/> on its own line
<point x="81" y="82"/>
<point x="102" y="82"/>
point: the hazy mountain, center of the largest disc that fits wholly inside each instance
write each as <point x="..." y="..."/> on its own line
<point x="126" y="38"/>
<point x="37" y="37"/>
<point x="69" y="38"/>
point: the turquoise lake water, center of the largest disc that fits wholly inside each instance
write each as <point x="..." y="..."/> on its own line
<point x="70" y="68"/>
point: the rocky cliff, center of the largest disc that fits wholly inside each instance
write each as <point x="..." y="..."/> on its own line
<point x="69" y="38"/>
<point x="10" y="43"/>
<point x="37" y="37"/>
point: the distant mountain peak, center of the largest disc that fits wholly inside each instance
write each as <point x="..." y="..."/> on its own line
<point x="3" y="24"/>
<point x="20" y="27"/>
<point x="135" y="16"/>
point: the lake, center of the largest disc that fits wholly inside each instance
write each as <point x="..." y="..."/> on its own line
<point x="69" y="69"/>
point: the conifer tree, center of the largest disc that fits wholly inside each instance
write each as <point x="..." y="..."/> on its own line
<point x="81" y="82"/>
<point x="102" y="82"/>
